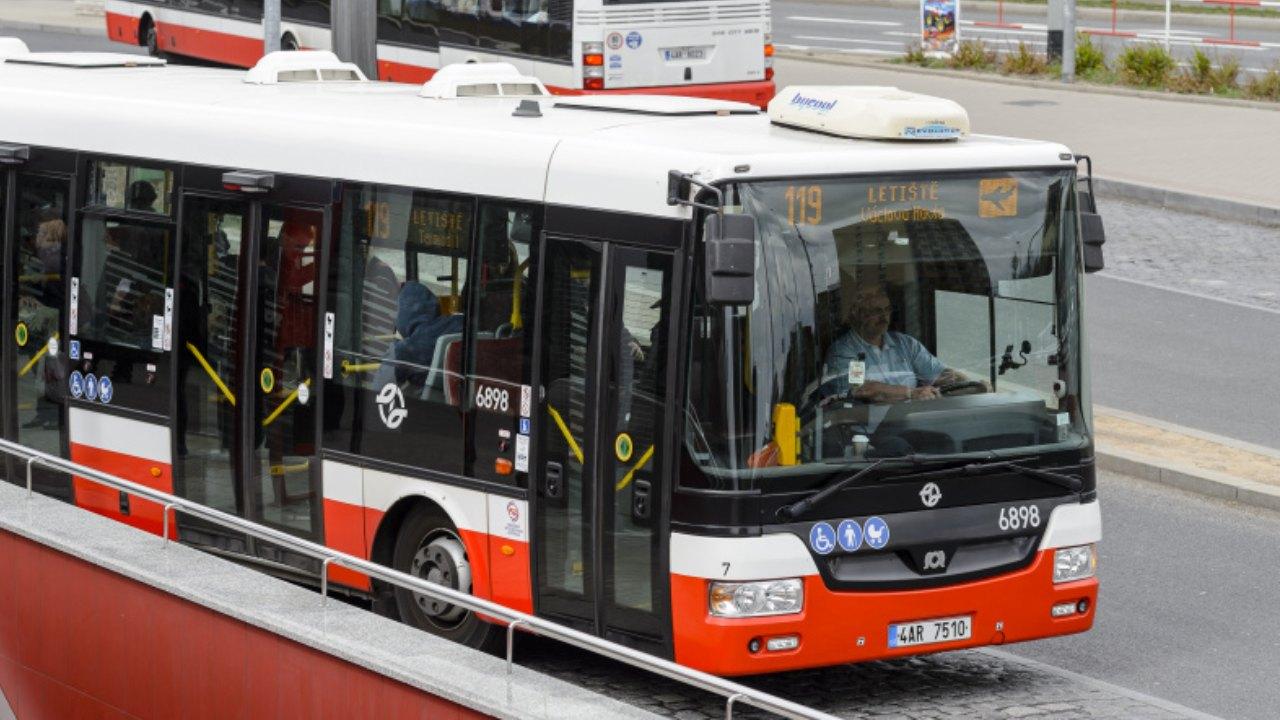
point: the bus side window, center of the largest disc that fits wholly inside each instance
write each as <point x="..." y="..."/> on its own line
<point x="395" y="292"/>
<point x="124" y="270"/>
<point x="502" y="342"/>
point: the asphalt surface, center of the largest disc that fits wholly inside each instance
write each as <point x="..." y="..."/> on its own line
<point x="1186" y="613"/>
<point x="885" y="30"/>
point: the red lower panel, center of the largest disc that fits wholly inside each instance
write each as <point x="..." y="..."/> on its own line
<point x="403" y="73"/>
<point x="209" y="45"/>
<point x="123" y="28"/>
<point x="832" y="622"/>
<point x="106" y="501"/>
<point x="137" y="652"/>
<point x="344" y="531"/>
<point x="509" y="573"/>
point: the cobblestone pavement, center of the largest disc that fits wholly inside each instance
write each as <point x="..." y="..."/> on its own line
<point x="965" y="684"/>
<point x="1186" y="251"/>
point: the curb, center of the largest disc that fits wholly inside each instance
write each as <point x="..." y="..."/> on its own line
<point x="6" y="24"/>
<point x="1202" y="482"/>
<point x="1200" y="204"/>
<point x="848" y="59"/>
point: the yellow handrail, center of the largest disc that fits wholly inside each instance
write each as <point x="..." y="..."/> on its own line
<point x="280" y="470"/>
<point x="36" y="358"/>
<point x="212" y="375"/>
<point x="626" y="479"/>
<point x="284" y="404"/>
<point x="349" y="367"/>
<point x="564" y="430"/>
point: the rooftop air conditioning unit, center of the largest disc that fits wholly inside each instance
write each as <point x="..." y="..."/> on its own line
<point x="481" y="80"/>
<point x="302" y="66"/>
<point x="878" y="113"/>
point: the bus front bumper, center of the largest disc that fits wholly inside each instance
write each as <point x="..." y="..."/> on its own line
<point x="838" y="627"/>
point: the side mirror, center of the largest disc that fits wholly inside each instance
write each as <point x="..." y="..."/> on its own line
<point x="730" y="243"/>
<point x="1093" y="236"/>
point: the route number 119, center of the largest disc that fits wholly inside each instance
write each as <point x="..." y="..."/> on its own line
<point x="804" y="205"/>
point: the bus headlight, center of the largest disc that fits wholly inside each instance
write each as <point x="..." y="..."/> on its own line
<point x="754" y="599"/>
<point x="1074" y="563"/>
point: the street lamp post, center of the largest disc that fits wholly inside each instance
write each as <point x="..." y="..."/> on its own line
<point x="270" y="26"/>
<point x="354" y="29"/>
<point x="1068" y="41"/>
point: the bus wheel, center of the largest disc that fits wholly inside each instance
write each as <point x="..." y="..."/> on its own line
<point x="151" y="39"/>
<point x="288" y="43"/>
<point x="429" y="547"/>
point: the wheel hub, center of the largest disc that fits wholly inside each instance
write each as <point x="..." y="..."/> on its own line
<point x="442" y="560"/>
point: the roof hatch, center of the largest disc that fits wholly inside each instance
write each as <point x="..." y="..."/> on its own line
<point x="877" y="113"/>
<point x="302" y="66"/>
<point x="481" y="80"/>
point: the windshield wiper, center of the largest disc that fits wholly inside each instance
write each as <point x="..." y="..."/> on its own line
<point x="804" y="505"/>
<point x="1062" y="480"/>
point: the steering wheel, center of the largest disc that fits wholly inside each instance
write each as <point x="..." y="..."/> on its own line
<point x="964" y="387"/>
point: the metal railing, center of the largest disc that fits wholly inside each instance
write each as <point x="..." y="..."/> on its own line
<point x="733" y="693"/>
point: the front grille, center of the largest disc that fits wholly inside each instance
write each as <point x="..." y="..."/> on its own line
<point x="903" y="568"/>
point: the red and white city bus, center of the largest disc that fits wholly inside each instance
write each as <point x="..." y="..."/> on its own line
<point x="709" y="48"/>
<point x="611" y="360"/>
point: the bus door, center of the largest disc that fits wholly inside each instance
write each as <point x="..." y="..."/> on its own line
<point x="602" y="462"/>
<point x="246" y="426"/>
<point x="35" y="214"/>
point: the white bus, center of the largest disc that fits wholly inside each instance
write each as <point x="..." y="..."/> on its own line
<point x="633" y="363"/>
<point x="713" y="48"/>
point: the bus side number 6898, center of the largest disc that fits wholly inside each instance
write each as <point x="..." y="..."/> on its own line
<point x="492" y="398"/>
<point x="1017" y="517"/>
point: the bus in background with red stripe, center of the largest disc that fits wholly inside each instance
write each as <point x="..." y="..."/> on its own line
<point x="754" y="391"/>
<point x="720" y="49"/>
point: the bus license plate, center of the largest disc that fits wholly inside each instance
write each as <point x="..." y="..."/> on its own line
<point x="689" y="52"/>
<point x="929" y="632"/>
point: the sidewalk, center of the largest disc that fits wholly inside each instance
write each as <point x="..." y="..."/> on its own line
<point x="82" y="17"/>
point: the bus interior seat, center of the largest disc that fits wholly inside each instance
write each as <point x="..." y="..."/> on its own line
<point x="498" y="358"/>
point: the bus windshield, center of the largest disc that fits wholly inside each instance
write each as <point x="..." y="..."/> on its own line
<point x="924" y="314"/>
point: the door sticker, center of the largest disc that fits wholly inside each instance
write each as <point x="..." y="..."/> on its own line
<point x="76" y="384"/>
<point x="21" y="335"/>
<point x="623" y="448"/>
<point x="267" y="380"/>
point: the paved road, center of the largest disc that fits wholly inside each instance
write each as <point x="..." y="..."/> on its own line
<point x="1187" y="613"/>
<point x="883" y="29"/>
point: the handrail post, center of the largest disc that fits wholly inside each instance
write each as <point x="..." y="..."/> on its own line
<point x="511" y="643"/>
<point x="728" y="705"/>
<point x="167" y="509"/>
<point x="29" y="461"/>
<point x="324" y="581"/>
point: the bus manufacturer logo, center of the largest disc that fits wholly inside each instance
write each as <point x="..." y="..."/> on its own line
<point x="930" y="494"/>
<point x="935" y="560"/>
<point x="391" y="406"/>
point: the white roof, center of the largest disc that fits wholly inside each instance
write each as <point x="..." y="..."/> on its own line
<point x="385" y="133"/>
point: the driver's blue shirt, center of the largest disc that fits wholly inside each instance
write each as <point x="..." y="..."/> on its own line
<point x="902" y="360"/>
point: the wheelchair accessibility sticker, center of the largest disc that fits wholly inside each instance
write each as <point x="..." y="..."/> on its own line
<point x="822" y="538"/>
<point x="76" y="384"/>
<point x="876" y="532"/>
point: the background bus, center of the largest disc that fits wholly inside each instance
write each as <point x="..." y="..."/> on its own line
<point x="717" y="48"/>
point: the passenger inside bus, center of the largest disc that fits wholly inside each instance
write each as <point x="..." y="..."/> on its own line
<point x="420" y="326"/>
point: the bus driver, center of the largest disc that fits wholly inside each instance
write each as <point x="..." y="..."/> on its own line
<point x="880" y="365"/>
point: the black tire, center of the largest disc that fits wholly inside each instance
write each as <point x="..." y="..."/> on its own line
<point x="288" y="43"/>
<point x="429" y="546"/>
<point x="151" y="39"/>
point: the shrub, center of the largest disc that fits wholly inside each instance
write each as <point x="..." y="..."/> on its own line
<point x="1265" y="86"/>
<point x="1090" y="59"/>
<point x="915" y="55"/>
<point x="1145" y="65"/>
<point x="1024" y="62"/>
<point x="1202" y="76"/>
<point x="974" y="55"/>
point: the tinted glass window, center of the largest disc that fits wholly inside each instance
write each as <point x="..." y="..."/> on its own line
<point x="396" y="301"/>
<point x="131" y="187"/>
<point x="502" y="341"/>
<point x="314" y="11"/>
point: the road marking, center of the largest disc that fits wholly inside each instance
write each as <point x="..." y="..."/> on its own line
<point x="1178" y="41"/>
<point x="844" y="51"/>
<point x="1191" y="293"/>
<point x="1003" y="31"/>
<point x="842" y="21"/>
<point x="893" y="43"/>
